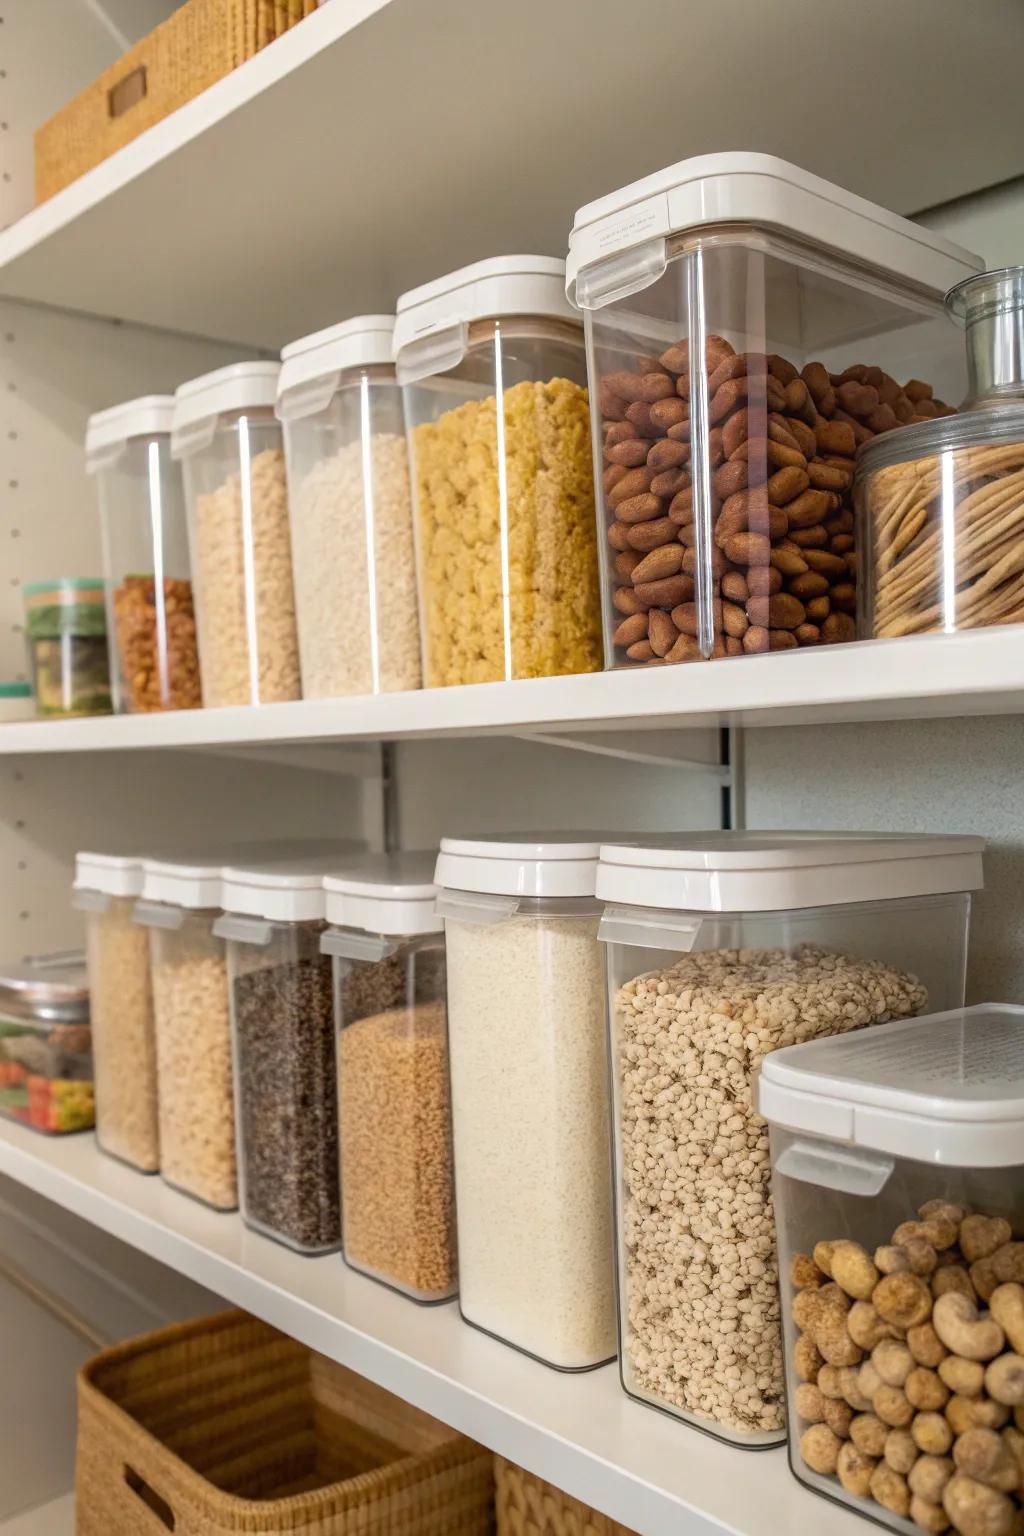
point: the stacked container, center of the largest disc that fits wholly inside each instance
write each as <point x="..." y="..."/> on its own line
<point x="150" y="615"/>
<point x="351" y="515"/>
<point x="46" y="1044"/>
<point x="737" y="362"/>
<point x="721" y="949"/>
<point x="503" y="496"/>
<point x="124" y="1042"/>
<point x="530" y="1093"/>
<point x="229" y="440"/>
<point x="397" y="1204"/>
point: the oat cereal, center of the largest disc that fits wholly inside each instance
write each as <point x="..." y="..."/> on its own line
<point x="124" y="1044"/>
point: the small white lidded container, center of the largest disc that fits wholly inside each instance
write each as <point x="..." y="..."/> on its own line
<point x="897" y="1164"/>
<point x="350" y="509"/>
<point x="386" y="942"/>
<point x="529" y="1072"/>
<point x="723" y="947"/>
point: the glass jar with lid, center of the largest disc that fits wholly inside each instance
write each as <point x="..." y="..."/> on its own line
<point x="46" y="1077"/>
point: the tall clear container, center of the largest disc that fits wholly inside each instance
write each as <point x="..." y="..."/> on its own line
<point x="123" y="1036"/>
<point x="723" y="948"/>
<point x="351" y="511"/>
<point x="387" y="948"/>
<point x="504" y="501"/>
<point x="229" y="441"/>
<point x="748" y="326"/>
<point x="529" y="1070"/>
<point x="897" y="1176"/>
<point x="150" y="614"/>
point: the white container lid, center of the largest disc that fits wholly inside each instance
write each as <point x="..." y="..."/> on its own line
<point x="520" y="864"/>
<point x="385" y="893"/>
<point x="286" y="891"/>
<point x="110" y="873"/>
<point x="947" y="1088"/>
<point x="195" y="879"/>
<point x="319" y="360"/>
<point x="785" y="871"/>
<point x="199" y="402"/>
<point x="108" y="433"/>
<point x="761" y="190"/>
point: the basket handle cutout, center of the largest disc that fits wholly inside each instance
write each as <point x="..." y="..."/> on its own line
<point x="150" y="1497"/>
<point x="127" y="93"/>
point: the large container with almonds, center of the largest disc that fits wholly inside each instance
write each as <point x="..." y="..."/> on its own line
<point x="896" y="1174"/>
<point x="150" y="617"/>
<point x="749" y="326"/>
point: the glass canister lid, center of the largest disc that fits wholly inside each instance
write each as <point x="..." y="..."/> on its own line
<point x="988" y="424"/>
<point x="54" y="988"/>
<point x="990" y="307"/>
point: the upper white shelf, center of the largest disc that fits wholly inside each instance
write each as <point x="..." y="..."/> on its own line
<point x="383" y="142"/>
<point x="976" y="673"/>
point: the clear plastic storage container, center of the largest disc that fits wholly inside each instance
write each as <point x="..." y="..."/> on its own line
<point x="387" y="947"/>
<point x="230" y="443"/>
<point x="722" y="947"/>
<point x="66" y="634"/>
<point x="748" y="327"/>
<point x="897" y="1175"/>
<point x="504" y="500"/>
<point x="46" y="1044"/>
<point x="123" y="1037"/>
<point x="150" y="615"/>
<point x="529" y="1067"/>
<point x="351" y="512"/>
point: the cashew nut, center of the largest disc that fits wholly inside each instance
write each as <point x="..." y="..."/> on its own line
<point x="890" y="1490"/>
<point x="901" y="1450"/>
<point x="809" y="1403"/>
<point x="891" y="1260"/>
<point x="938" y="1231"/>
<point x="865" y="1327"/>
<point x="930" y="1517"/>
<point x="932" y="1434"/>
<point x="985" y="1456"/>
<point x="1014" y="1442"/>
<point x="976" y="1510"/>
<point x="855" y="1470"/>
<point x="980" y="1236"/>
<point x="964" y="1377"/>
<point x="926" y="1346"/>
<point x="1008" y="1263"/>
<point x="803" y="1272"/>
<point x="1007" y="1307"/>
<point x="963" y="1331"/>
<point x="819" y="1448"/>
<point x="869" y="1434"/>
<point x="853" y="1392"/>
<point x="837" y="1415"/>
<point x="903" y="1299"/>
<point x="1004" y="1380"/>
<point x="964" y="1413"/>
<point x="853" y="1270"/>
<point x="933" y="1208"/>
<point x="823" y="1257"/>
<point x="807" y="1360"/>
<point x="868" y="1380"/>
<point x="805" y="1308"/>
<point x="929" y="1476"/>
<point x="893" y="1361"/>
<point x="952" y="1277"/>
<point x="829" y="1382"/>
<point x="892" y="1407"/>
<point x="983" y="1278"/>
<point x="926" y="1390"/>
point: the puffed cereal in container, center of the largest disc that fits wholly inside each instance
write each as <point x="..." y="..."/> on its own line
<point x="504" y="500"/>
<point x="721" y="948"/>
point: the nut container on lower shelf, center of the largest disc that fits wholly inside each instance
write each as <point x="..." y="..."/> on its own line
<point x="896" y="1172"/>
<point x="46" y="1077"/>
<point x="723" y="947"/>
<point x="387" y="948"/>
<point x="66" y="635"/>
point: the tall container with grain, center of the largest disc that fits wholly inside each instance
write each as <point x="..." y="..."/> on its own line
<point x="151" y="621"/>
<point x="722" y="948"/>
<point x="529" y="1073"/>
<point x="748" y="326"/>
<point x="492" y="364"/>
<point x="351" y="511"/>
<point x="229" y="440"/>
<point x="386" y="943"/>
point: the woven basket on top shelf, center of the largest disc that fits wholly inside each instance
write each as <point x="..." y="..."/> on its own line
<point x="198" y="44"/>
<point x="528" y="1506"/>
<point x="223" y="1425"/>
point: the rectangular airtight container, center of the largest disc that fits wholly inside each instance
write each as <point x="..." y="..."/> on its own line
<point x="529" y="1069"/>
<point x="351" y="513"/>
<point x="387" y="948"/>
<point x="503" y="498"/>
<point x="722" y="948"/>
<point x="897" y="1168"/>
<point x="123" y="1037"/>
<point x="749" y="326"/>
<point x="229" y="441"/>
<point x="150" y="615"/>
<point x="46" y="1044"/>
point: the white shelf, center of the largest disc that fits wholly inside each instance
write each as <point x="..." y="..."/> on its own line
<point x="637" y="1465"/>
<point x="383" y="142"/>
<point x="57" y="1518"/>
<point x="975" y="673"/>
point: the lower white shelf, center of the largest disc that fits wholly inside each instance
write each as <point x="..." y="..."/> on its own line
<point x="581" y="1432"/>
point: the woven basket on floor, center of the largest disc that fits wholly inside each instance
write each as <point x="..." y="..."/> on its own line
<point x="224" y="1425"/>
<point x="528" y="1506"/>
<point x="198" y="44"/>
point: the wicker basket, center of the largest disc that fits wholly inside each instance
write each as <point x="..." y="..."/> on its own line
<point x="198" y="44"/>
<point x="528" y="1506"/>
<point x="224" y="1425"/>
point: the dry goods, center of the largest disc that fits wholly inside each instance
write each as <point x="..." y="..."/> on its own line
<point x="531" y="1139"/>
<point x="123" y="1037"/>
<point x="358" y="631"/>
<point x="156" y="644"/>
<point x="947" y="541"/>
<point x="532" y="512"/>
<point x="287" y="1101"/>
<point x="782" y="447"/>
<point x="699" y="1292"/>
<point x="911" y="1363"/>
<point x="247" y="641"/>
<point x="46" y="1075"/>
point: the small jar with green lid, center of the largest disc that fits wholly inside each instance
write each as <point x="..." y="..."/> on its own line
<point x="66" y="630"/>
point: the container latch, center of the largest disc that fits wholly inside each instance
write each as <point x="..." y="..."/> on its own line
<point x="435" y="352"/>
<point x="616" y="277"/>
<point x="157" y="914"/>
<point x="246" y="930"/>
<point x="649" y="928"/>
<point x="475" y="907"/>
<point x="831" y="1165"/>
<point x="348" y="944"/>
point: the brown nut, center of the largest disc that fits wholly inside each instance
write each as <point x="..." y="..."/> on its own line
<point x="932" y="1434"/>
<point x="926" y="1346"/>
<point x="976" y="1510"/>
<point x="661" y="632"/>
<point x="1004" y="1380"/>
<point x="892" y="1407"/>
<point x="807" y="1361"/>
<point x="869" y="1434"/>
<point x="1006" y="1305"/>
<point x="984" y="1455"/>
<point x="819" y="1448"/>
<point x="631" y="630"/>
<point x="809" y="1403"/>
<point x="855" y="1469"/>
<point x="829" y="1381"/>
<point x="964" y="1331"/>
<point x="983" y="1278"/>
<point x="891" y="1260"/>
<point x="964" y="1413"/>
<point x="893" y="1361"/>
<point x="865" y="1326"/>
<point x="889" y="1489"/>
<point x="947" y="1208"/>
<point x="964" y="1377"/>
<point x="852" y="1268"/>
<point x="926" y="1390"/>
<point x="1008" y="1263"/>
<point x="929" y="1476"/>
<point x="980" y="1236"/>
<point x="928" y="1517"/>
<point x="1014" y="1442"/>
<point x="854" y="1391"/>
<point x="939" y="1232"/>
<point x="822" y="1256"/>
<point x="837" y="1415"/>
<point x="952" y="1277"/>
<point x="903" y="1299"/>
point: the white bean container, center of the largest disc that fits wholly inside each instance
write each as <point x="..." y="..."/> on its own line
<point x="721" y="948"/>
<point x="530" y="1093"/>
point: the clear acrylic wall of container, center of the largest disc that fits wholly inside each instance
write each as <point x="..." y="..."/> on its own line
<point x="351" y="512"/>
<point x="736" y="370"/>
<point x="721" y="950"/>
<point x="150" y="612"/>
<point x="46" y="1072"/>
<point x="230" y="443"/>
<point x="504" y="508"/>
